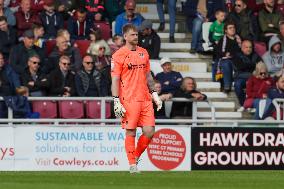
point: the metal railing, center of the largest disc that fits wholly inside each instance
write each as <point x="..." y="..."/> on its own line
<point x="103" y="119"/>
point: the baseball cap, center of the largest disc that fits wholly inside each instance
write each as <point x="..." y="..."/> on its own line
<point x="29" y="34"/>
<point x="130" y="4"/>
<point x="146" y="24"/>
<point x="165" y="60"/>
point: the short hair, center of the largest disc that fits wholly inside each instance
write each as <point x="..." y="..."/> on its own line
<point x="3" y="18"/>
<point x="22" y="90"/>
<point x="32" y="55"/>
<point x="229" y="23"/>
<point x="115" y="37"/>
<point x="126" y="28"/>
<point x="219" y="11"/>
<point x="60" y="32"/>
<point x="187" y="78"/>
<point x="64" y="57"/>
<point x="89" y="55"/>
<point x="81" y="10"/>
<point x="244" y="1"/>
<point x="36" y="26"/>
<point x="97" y="33"/>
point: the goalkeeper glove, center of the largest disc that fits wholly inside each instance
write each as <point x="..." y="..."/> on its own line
<point x="157" y="100"/>
<point x="119" y="110"/>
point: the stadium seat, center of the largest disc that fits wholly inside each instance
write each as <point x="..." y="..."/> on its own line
<point x="93" y="109"/>
<point x="205" y="35"/>
<point x="46" y="109"/>
<point x="105" y="28"/>
<point x="83" y="45"/>
<point x="259" y="48"/>
<point x="49" y="45"/>
<point x="71" y="109"/>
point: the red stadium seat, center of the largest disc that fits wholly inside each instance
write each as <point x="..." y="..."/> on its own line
<point x="49" y="46"/>
<point x="83" y="46"/>
<point x="105" y="28"/>
<point x="93" y="109"/>
<point x="47" y="109"/>
<point x="280" y="8"/>
<point x="259" y="48"/>
<point x="71" y="109"/>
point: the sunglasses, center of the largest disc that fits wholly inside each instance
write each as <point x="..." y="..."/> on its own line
<point x="238" y="5"/>
<point x="130" y="9"/>
<point x="65" y="63"/>
<point x="102" y="48"/>
<point x="88" y="63"/>
<point x="262" y="73"/>
<point x="34" y="62"/>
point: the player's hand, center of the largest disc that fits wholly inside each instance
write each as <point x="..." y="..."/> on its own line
<point x="157" y="100"/>
<point x="119" y="110"/>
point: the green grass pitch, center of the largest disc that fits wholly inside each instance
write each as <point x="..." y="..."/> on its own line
<point x="147" y="180"/>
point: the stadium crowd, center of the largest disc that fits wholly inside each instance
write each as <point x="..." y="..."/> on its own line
<point x="64" y="48"/>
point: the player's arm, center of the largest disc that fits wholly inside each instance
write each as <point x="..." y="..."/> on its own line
<point x="151" y="86"/>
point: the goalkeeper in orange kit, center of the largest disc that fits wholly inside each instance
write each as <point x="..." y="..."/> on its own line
<point x="132" y="87"/>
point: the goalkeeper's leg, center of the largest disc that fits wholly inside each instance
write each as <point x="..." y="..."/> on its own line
<point x="144" y="140"/>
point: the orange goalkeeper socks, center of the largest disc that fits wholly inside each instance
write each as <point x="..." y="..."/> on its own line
<point x="130" y="149"/>
<point x="142" y="144"/>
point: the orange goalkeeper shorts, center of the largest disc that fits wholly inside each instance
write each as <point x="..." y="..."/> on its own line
<point x="138" y="114"/>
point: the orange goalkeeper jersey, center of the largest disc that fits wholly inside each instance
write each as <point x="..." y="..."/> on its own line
<point x="132" y="67"/>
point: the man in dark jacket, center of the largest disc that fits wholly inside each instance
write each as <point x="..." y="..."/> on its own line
<point x="149" y="39"/>
<point x="8" y="37"/>
<point x="90" y="82"/>
<point x="20" y="53"/>
<point x="51" y="20"/>
<point x="33" y="78"/>
<point x="61" y="81"/>
<point x="244" y="64"/>
<point x="245" y="21"/>
<point x="80" y="25"/>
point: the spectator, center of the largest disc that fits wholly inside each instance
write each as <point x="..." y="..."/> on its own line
<point x="198" y="12"/>
<point x="244" y="64"/>
<point x="114" y="8"/>
<point x="6" y="11"/>
<point x="8" y="37"/>
<point x="65" y="33"/>
<point x="257" y="87"/>
<point x="20" y="53"/>
<point x="96" y="42"/>
<point x="187" y="90"/>
<point x="61" y="81"/>
<point x="129" y="16"/>
<point x="149" y="39"/>
<point x="80" y="26"/>
<point x="33" y="79"/>
<point x="38" y="5"/>
<point x="169" y="79"/>
<point x="89" y="81"/>
<point x="66" y="7"/>
<point x="274" y="57"/>
<point x="25" y="17"/>
<point x="9" y="81"/>
<point x="39" y="33"/>
<point x="94" y="7"/>
<point x="255" y="5"/>
<point x="51" y="20"/>
<point x="14" y="5"/>
<point x="63" y="48"/>
<point x="116" y="43"/>
<point x="269" y="20"/>
<point x="245" y="21"/>
<point x="216" y="31"/>
<point x="172" y="16"/>
<point x="161" y="114"/>
<point x="281" y="34"/>
<point x="227" y="48"/>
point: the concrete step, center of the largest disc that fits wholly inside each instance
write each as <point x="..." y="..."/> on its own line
<point x="165" y="35"/>
<point x="155" y="17"/>
<point x="202" y="75"/>
<point x="177" y="46"/>
<point x="217" y="105"/>
<point x="215" y="95"/>
<point x="208" y="85"/>
<point x="183" y="55"/>
<point x="167" y="27"/>
<point x="220" y="115"/>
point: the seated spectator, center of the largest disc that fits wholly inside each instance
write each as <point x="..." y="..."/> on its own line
<point x="33" y="79"/>
<point x="116" y="43"/>
<point x="94" y="7"/>
<point x="61" y="81"/>
<point x="8" y="37"/>
<point x="198" y="12"/>
<point x="14" y="5"/>
<point x="6" y="11"/>
<point x="216" y="31"/>
<point x="128" y="17"/>
<point x="89" y="81"/>
<point x="244" y="64"/>
<point x="20" y="53"/>
<point x="227" y="48"/>
<point x="9" y="81"/>
<point x="274" y="57"/>
<point x="51" y="20"/>
<point x="38" y="5"/>
<point x="245" y="21"/>
<point x="63" y="48"/>
<point x="149" y="39"/>
<point x="113" y="8"/>
<point x="96" y="42"/>
<point x="169" y="79"/>
<point x="257" y="88"/>
<point x="161" y="114"/>
<point x="66" y="7"/>
<point x="65" y="33"/>
<point x="39" y="33"/>
<point x="25" y="17"/>
<point x="269" y="20"/>
<point x="80" y="26"/>
<point x="281" y="33"/>
<point x="187" y="90"/>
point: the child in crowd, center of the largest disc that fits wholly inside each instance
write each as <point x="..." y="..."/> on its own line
<point x="38" y="33"/>
<point x="96" y="37"/>
<point x="115" y="43"/>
